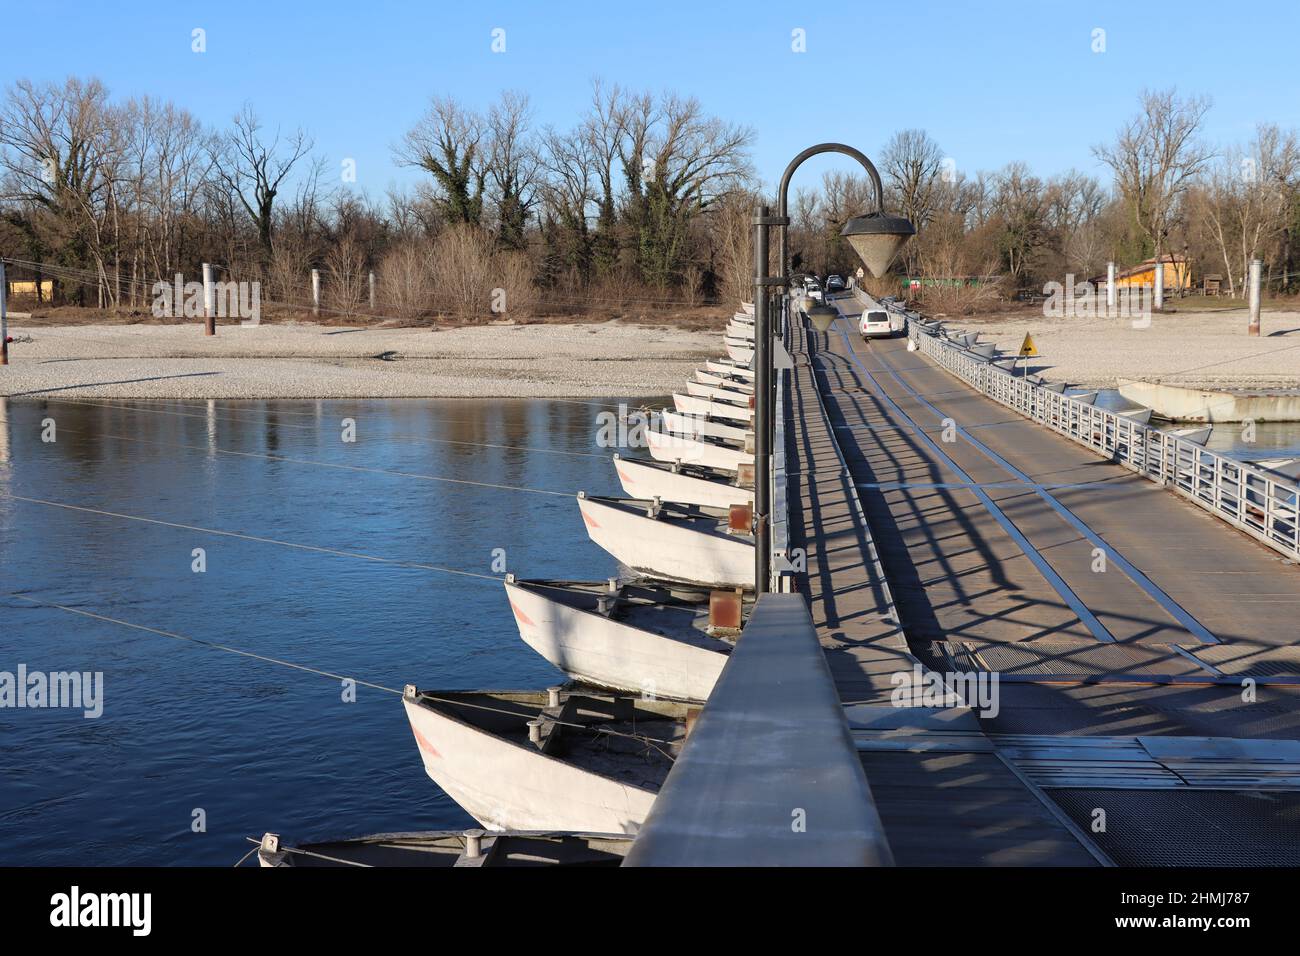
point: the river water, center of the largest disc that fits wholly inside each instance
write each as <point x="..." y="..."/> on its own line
<point x="190" y="735"/>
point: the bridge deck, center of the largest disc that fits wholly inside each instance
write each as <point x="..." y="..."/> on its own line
<point x="1005" y="576"/>
<point x="989" y="540"/>
<point x="993" y="817"/>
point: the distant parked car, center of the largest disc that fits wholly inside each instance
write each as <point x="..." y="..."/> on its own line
<point x="835" y="284"/>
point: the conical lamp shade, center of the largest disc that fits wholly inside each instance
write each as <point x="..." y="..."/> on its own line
<point x="876" y="238"/>
<point x="877" y="250"/>
<point x="822" y="317"/>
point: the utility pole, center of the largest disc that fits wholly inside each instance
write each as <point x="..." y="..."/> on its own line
<point x="762" y="366"/>
<point x="315" y="292"/>
<point x="372" y="291"/>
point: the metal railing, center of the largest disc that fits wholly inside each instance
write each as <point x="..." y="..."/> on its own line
<point x="1250" y="498"/>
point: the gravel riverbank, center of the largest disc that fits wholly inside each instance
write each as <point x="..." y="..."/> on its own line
<point x="1197" y="349"/>
<point x="318" y="361"/>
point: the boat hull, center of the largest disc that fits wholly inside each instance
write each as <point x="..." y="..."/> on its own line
<point x="719" y="392"/>
<point x="595" y="649"/>
<point x="711" y="378"/>
<point x="643" y="480"/>
<point x="704" y="406"/>
<point x="693" y="426"/>
<point x="695" y="451"/>
<point x="740" y="354"/>
<point x="740" y="370"/>
<point x="668" y="548"/>
<point x="508" y="786"/>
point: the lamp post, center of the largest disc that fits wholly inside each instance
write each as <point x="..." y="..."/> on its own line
<point x="876" y="238"/>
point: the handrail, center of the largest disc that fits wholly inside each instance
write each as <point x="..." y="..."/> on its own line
<point x="769" y="775"/>
<point x="1251" y="499"/>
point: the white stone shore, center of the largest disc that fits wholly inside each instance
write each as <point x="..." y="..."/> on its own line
<point x="319" y="361"/>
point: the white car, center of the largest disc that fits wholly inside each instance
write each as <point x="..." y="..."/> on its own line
<point x="877" y="323"/>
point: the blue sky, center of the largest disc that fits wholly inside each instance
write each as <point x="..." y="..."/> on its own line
<point x="992" y="82"/>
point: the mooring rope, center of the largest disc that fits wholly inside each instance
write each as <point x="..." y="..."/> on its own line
<point x="200" y="641"/>
<point x="595" y="729"/>
<point x="337" y="552"/>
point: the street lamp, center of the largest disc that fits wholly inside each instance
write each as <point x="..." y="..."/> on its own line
<point x="876" y="238"/>
<point x="822" y="316"/>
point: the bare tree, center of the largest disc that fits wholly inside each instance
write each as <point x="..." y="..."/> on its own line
<point x="254" y="169"/>
<point x="1155" y="158"/>
<point x="1243" y="204"/>
<point x="447" y="142"/>
<point x="912" y="165"/>
<point x="61" y="156"/>
<point x="512" y="166"/>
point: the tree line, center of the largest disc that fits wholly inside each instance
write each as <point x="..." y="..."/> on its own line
<point x="643" y="201"/>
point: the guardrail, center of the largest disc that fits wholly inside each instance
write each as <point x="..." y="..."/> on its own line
<point x="1251" y="499"/>
<point x="770" y="775"/>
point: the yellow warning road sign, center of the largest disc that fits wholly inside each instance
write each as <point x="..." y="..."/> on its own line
<point x="1027" y="347"/>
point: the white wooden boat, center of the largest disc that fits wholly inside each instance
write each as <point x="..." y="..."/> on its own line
<point x="707" y="452"/>
<point x="721" y="393"/>
<point x="737" y="330"/>
<point x="1286" y="467"/>
<point x="689" y="484"/>
<point x="693" y="426"/>
<point x="742" y="318"/>
<point x="712" y="408"/>
<point x="740" y="351"/>
<point x="1140" y="415"/>
<point x="448" y="848"/>
<point x="657" y="639"/>
<point x="733" y="382"/>
<point x="1088" y="398"/>
<point x="747" y="308"/>
<point x="558" y="759"/>
<point x="731" y="367"/>
<point x="677" y="542"/>
<point x="1198" y="435"/>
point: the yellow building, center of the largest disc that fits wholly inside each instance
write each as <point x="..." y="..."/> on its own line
<point x="1178" y="274"/>
<point x="28" y="287"/>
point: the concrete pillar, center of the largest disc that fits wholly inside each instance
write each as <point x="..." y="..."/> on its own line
<point x="1110" y="287"/>
<point x="1256" y="293"/>
<point x="1160" y="286"/>
<point x="372" y="291"/>
<point x="315" y="292"/>
<point x="209" y="313"/>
